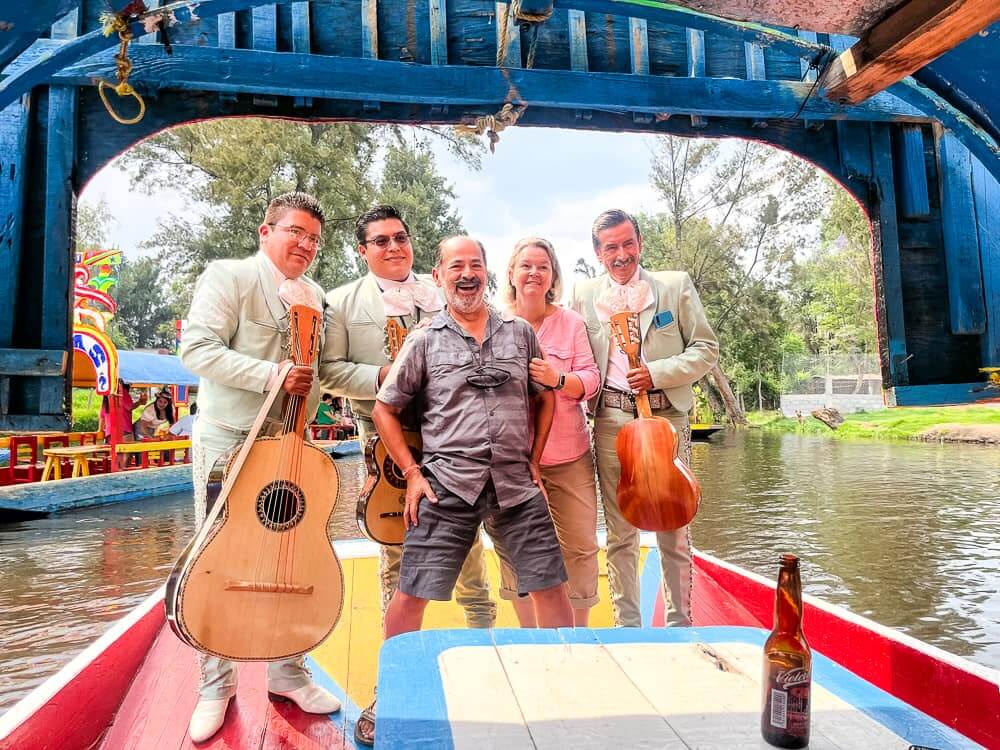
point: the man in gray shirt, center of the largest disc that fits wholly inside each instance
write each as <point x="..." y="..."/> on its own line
<point x="483" y="427"/>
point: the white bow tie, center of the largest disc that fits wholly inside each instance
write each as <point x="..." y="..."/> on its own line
<point x="402" y="299"/>
<point x="635" y="297"/>
<point x="297" y="292"/>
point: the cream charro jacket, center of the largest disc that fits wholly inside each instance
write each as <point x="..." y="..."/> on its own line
<point x="236" y="330"/>
<point x="355" y="341"/>
<point x="677" y="341"/>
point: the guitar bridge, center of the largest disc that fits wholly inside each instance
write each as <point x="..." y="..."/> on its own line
<point x="394" y="514"/>
<point x="268" y="588"/>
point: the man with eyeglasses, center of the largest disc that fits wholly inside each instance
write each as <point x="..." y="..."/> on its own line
<point x="677" y="348"/>
<point x="356" y="361"/>
<point x="236" y="341"/>
<point x="484" y="426"/>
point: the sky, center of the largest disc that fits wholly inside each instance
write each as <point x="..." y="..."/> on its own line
<point x="540" y="181"/>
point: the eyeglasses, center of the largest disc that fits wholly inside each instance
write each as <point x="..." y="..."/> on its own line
<point x="300" y="235"/>
<point x="382" y="241"/>
<point x="487" y="376"/>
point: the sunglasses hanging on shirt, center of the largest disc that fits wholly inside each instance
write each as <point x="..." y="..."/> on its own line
<point x="487" y="376"/>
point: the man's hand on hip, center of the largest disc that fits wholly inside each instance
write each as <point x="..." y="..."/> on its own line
<point x="299" y="380"/>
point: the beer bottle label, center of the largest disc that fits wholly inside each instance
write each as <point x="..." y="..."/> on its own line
<point x="790" y="701"/>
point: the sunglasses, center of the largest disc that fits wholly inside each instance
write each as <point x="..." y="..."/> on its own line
<point x="487" y="376"/>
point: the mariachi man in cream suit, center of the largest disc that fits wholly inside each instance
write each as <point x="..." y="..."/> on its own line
<point x="678" y="347"/>
<point x="355" y="364"/>
<point x="237" y="333"/>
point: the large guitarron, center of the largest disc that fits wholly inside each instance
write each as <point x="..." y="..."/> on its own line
<point x="656" y="491"/>
<point x="261" y="580"/>
<point x="380" y="505"/>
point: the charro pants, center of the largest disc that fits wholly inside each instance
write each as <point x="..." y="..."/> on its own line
<point x="472" y="591"/>
<point x="218" y="676"/>
<point x="623" y="537"/>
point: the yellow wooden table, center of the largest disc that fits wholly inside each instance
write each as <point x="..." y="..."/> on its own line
<point x="81" y="454"/>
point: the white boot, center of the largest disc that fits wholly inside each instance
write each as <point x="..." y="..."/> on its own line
<point x="208" y="718"/>
<point x="310" y="698"/>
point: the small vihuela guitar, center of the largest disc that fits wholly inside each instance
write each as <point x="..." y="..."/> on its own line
<point x="380" y="506"/>
<point x="656" y="491"/>
<point x="261" y="581"/>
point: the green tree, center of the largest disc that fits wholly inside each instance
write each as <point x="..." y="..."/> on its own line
<point x="93" y="225"/>
<point x="145" y="317"/>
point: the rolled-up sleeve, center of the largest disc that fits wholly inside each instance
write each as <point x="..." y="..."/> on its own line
<point x="408" y="374"/>
<point x="584" y="366"/>
<point x="534" y="352"/>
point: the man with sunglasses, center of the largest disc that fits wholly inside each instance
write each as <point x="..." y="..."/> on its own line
<point x="235" y="341"/>
<point x="355" y="363"/>
<point x="484" y="426"/>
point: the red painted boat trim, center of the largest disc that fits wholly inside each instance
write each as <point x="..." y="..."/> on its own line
<point x="76" y="705"/>
<point x="956" y="692"/>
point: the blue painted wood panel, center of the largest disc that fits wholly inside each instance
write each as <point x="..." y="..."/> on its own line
<point x="987" y="193"/>
<point x="913" y="192"/>
<point x="960" y="239"/>
<point x="855" y="148"/>
<point x="301" y="39"/>
<point x="439" y="32"/>
<point x="935" y="395"/>
<point x="696" y="65"/>
<point x="14" y="122"/>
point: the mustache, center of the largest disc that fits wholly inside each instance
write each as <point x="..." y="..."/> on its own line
<point x="470" y="283"/>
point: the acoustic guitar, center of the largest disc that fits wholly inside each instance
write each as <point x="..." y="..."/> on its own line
<point x="656" y="491"/>
<point x="380" y="505"/>
<point x="261" y="581"/>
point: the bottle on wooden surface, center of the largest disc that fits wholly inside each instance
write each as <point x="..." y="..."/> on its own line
<point x="787" y="680"/>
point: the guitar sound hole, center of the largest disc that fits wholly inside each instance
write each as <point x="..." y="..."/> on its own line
<point x="392" y="473"/>
<point x="280" y="505"/>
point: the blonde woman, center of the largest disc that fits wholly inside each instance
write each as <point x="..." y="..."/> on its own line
<point x="532" y="291"/>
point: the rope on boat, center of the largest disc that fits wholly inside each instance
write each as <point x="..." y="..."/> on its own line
<point x="123" y="69"/>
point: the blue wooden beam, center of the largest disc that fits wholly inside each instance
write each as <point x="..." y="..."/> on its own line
<point x="33" y="362"/>
<point x="696" y="65"/>
<point x="754" y="55"/>
<point x="193" y="68"/>
<point x="14" y="122"/>
<point x="986" y="190"/>
<point x="854" y="148"/>
<point x="578" y="51"/>
<point x="638" y="43"/>
<point x="227" y="40"/>
<point x="369" y="41"/>
<point x="301" y="39"/>
<point x="438" y="11"/>
<point x="890" y="273"/>
<point x="24" y="22"/>
<point x="914" y="198"/>
<point x="265" y="38"/>
<point x="967" y="311"/>
<point x="808" y="72"/>
<point x="935" y="395"/>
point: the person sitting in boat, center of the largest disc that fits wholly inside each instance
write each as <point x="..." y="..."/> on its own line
<point x="184" y="426"/>
<point x="126" y="406"/>
<point x="532" y="292"/>
<point x="355" y="363"/>
<point x="484" y="427"/>
<point x="157" y="417"/>
<point x="678" y="347"/>
<point x="235" y="343"/>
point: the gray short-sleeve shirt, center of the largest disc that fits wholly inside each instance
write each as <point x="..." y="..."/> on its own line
<point x="471" y="434"/>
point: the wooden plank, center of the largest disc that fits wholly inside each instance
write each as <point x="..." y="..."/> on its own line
<point x="14" y="123"/>
<point x="301" y="39"/>
<point x="439" y="31"/>
<point x="911" y="36"/>
<point x="986" y="190"/>
<point x="32" y="423"/>
<point x="754" y="55"/>
<point x="967" y="310"/>
<point x="938" y="395"/>
<point x="265" y="38"/>
<point x="914" y="200"/>
<point x="369" y="41"/>
<point x="696" y="65"/>
<point x="513" y="57"/>
<point x="155" y="36"/>
<point x="578" y="51"/>
<point x="227" y="40"/>
<point x="199" y="69"/>
<point x="638" y="42"/>
<point x="888" y="244"/>
<point x="855" y="149"/>
<point x="33" y="362"/>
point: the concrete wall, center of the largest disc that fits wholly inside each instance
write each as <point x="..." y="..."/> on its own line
<point x="843" y="402"/>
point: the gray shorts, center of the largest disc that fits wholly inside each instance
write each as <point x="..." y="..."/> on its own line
<point x="523" y="536"/>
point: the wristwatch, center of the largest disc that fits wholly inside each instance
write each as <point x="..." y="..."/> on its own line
<point x="562" y="382"/>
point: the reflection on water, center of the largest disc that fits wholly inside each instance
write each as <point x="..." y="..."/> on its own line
<point x="906" y="534"/>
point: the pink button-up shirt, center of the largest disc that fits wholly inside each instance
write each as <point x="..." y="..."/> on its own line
<point x="563" y="336"/>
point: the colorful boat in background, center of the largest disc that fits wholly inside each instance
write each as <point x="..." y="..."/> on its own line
<point x="136" y="686"/>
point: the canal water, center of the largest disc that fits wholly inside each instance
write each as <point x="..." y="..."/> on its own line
<point x="907" y="534"/>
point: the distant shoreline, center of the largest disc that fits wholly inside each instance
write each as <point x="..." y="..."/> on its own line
<point x="975" y="425"/>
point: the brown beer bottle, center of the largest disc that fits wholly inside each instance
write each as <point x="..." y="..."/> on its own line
<point x="784" y="719"/>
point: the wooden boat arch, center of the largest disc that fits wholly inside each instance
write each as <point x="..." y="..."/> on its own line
<point x="921" y="155"/>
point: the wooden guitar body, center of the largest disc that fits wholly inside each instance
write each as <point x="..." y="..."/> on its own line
<point x="656" y="491"/>
<point x="380" y="506"/>
<point x="266" y="584"/>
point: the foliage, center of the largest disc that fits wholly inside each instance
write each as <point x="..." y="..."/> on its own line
<point x="93" y="223"/>
<point x="145" y="317"/>
<point x="893" y="424"/>
<point x="86" y="408"/>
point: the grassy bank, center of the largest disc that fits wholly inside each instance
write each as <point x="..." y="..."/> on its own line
<point x="965" y="423"/>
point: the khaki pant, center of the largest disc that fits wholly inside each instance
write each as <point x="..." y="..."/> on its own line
<point x="573" y="504"/>
<point x="218" y="676"/>
<point x="472" y="591"/>
<point x="623" y="537"/>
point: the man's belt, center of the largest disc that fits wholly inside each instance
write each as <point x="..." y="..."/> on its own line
<point x="626" y="401"/>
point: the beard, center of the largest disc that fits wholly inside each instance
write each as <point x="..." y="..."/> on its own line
<point x="464" y="302"/>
